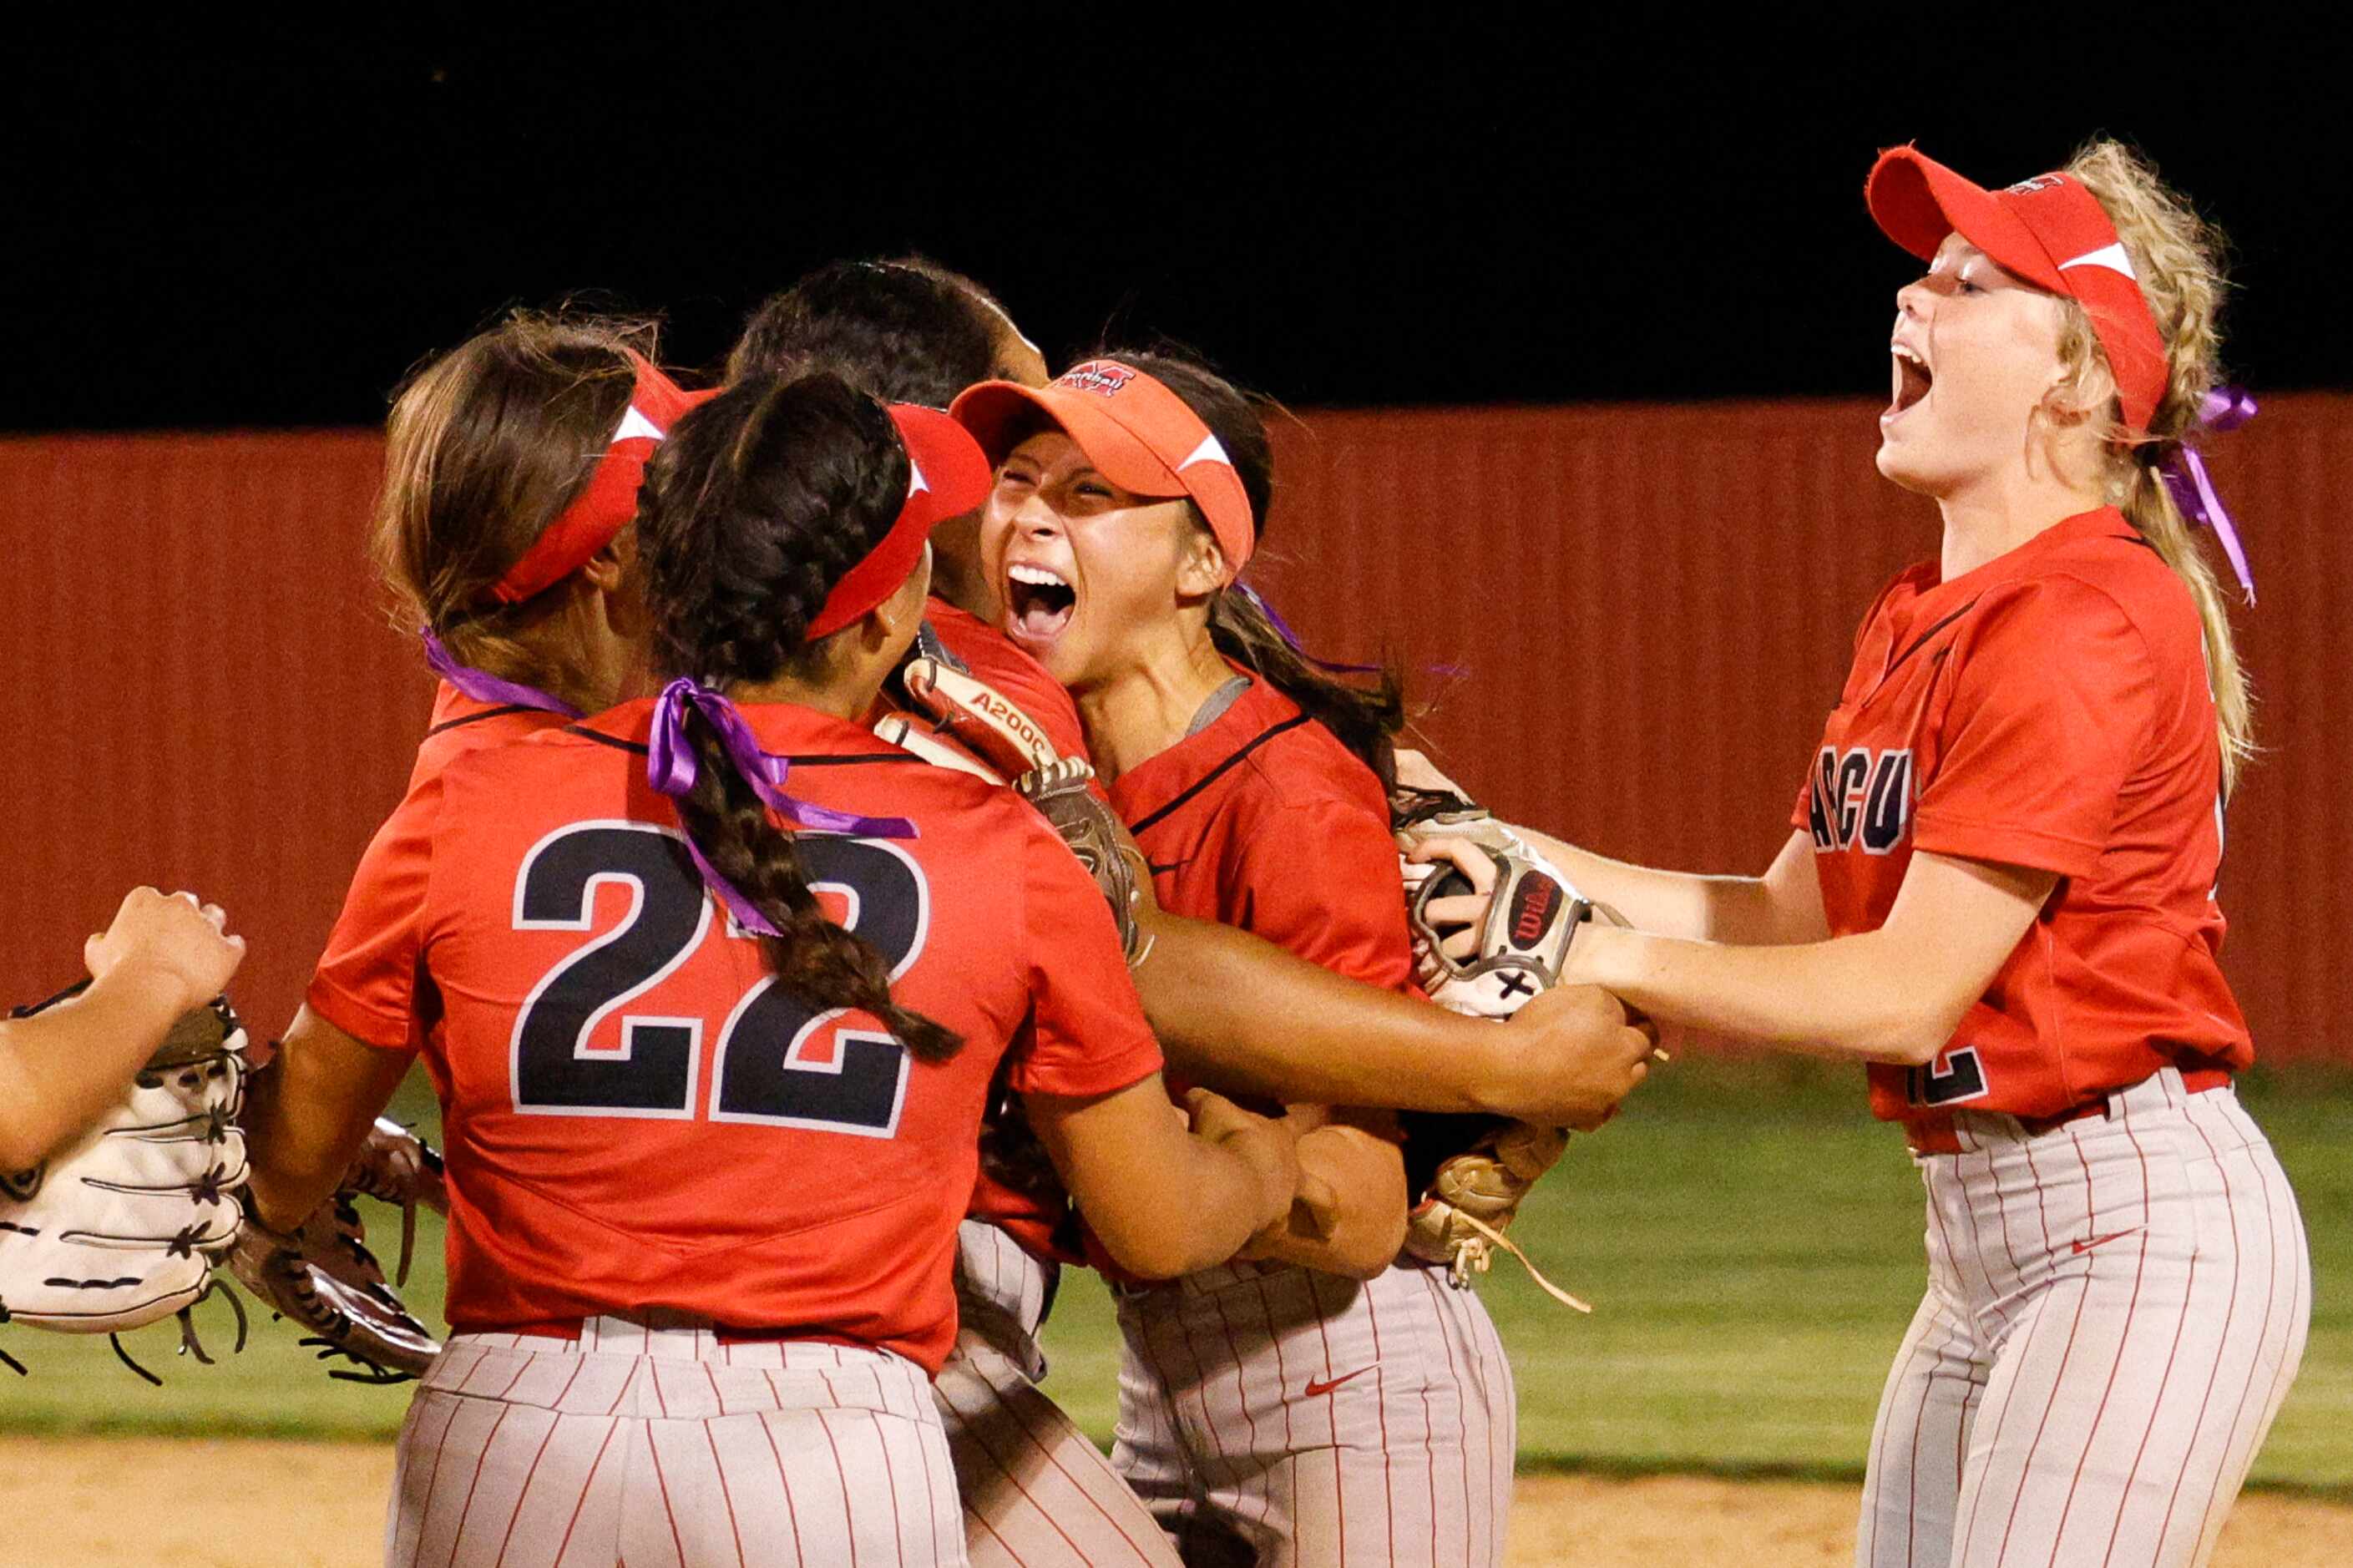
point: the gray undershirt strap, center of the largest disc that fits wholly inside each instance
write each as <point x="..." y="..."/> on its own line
<point x="1213" y="710"/>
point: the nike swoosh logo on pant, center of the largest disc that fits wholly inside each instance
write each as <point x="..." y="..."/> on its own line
<point x="2102" y="1240"/>
<point x="1315" y="1388"/>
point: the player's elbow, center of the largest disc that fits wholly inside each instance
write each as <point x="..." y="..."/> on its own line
<point x="1911" y="1030"/>
<point x="1183" y="1245"/>
<point x="1364" y="1247"/>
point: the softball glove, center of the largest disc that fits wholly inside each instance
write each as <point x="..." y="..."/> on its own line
<point x="122" y="1227"/>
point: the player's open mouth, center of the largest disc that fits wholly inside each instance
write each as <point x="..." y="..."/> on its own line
<point x="1038" y="603"/>
<point x="1912" y="379"/>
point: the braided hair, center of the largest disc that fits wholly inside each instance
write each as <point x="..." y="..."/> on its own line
<point x="756" y="506"/>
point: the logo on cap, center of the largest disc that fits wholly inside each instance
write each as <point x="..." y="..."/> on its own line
<point x="2040" y="183"/>
<point x="1211" y="450"/>
<point x="1098" y="376"/>
<point x="2112" y="256"/>
<point x="636" y="426"/>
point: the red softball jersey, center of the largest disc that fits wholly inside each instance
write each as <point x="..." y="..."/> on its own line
<point x="638" y="1120"/>
<point x="1036" y="1215"/>
<point x="2047" y="709"/>
<point x="1264" y="820"/>
<point x="368" y="973"/>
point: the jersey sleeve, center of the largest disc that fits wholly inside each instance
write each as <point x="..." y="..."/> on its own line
<point x="1088" y="1034"/>
<point x="1322" y="881"/>
<point x="2052" y="704"/>
<point x="366" y="980"/>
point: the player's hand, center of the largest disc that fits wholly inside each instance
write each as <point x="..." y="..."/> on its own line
<point x="169" y="941"/>
<point x="1268" y="1145"/>
<point x="1570" y="1055"/>
<point x="1415" y="771"/>
<point x="1463" y="916"/>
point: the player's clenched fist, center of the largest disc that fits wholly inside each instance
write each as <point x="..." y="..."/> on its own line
<point x="1267" y="1146"/>
<point x="168" y="941"/>
<point x="1572" y="1054"/>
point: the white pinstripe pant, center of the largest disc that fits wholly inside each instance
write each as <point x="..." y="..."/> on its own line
<point x="663" y="1448"/>
<point x="2114" y="1311"/>
<point x="1037" y="1492"/>
<point x="1271" y="1415"/>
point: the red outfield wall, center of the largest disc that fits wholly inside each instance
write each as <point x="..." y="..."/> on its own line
<point x="1651" y="609"/>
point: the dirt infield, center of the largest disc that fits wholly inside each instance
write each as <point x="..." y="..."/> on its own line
<point x="197" y="1503"/>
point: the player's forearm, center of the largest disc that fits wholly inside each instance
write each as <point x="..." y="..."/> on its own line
<point x="1350" y="1217"/>
<point x="307" y="1114"/>
<point x="1164" y="1201"/>
<point x="1854" y="998"/>
<point x="1217" y="1200"/>
<point x="59" y="1068"/>
<point x="1244" y="1017"/>
<point x="1671" y="903"/>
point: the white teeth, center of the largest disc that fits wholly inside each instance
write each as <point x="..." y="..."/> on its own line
<point x="1900" y="352"/>
<point x="1036" y="576"/>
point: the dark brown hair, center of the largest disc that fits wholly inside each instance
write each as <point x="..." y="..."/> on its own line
<point x="1366" y="717"/>
<point x="752" y="510"/>
<point x="486" y="445"/>
<point x="907" y="329"/>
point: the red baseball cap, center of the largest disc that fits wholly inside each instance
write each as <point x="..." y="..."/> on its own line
<point x="946" y="477"/>
<point x="2049" y="230"/>
<point x="1137" y="433"/>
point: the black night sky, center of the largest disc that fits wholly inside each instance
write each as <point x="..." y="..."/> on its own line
<point x="1343" y="207"/>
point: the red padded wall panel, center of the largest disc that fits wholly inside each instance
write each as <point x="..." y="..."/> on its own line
<point x="1650" y="608"/>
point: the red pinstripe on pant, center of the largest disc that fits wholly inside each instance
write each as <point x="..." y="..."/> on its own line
<point x="666" y="1449"/>
<point x="1037" y="1492"/>
<point x="1269" y="1416"/>
<point x="2097" y="1398"/>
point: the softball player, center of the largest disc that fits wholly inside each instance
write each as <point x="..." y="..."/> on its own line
<point x="2000" y="894"/>
<point x="705" y="1166"/>
<point x="511" y="470"/>
<point x="1308" y="1403"/>
<point x="1036" y="1490"/>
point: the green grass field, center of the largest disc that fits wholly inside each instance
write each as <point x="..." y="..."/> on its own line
<point x="1750" y="1239"/>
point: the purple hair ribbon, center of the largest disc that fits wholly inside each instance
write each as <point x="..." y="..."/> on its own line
<point x="2226" y="408"/>
<point x="1290" y="638"/>
<point x="490" y="689"/>
<point x="673" y="766"/>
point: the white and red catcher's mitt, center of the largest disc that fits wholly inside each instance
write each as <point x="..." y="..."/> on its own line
<point x="1471" y="1171"/>
<point x="122" y="1228"/>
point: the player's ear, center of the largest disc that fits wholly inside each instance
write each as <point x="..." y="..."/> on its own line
<point x="612" y="573"/>
<point x="610" y="566"/>
<point x="892" y="622"/>
<point x="1202" y="569"/>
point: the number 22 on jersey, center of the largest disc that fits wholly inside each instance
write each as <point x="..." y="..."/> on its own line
<point x="777" y="1062"/>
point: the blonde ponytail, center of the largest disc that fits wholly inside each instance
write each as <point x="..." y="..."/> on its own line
<point x="2178" y="258"/>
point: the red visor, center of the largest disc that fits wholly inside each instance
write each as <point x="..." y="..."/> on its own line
<point x="610" y="498"/>
<point x="1137" y="433"/>
<point x="946" y="477"/>
<point x="2049" y="230"/>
